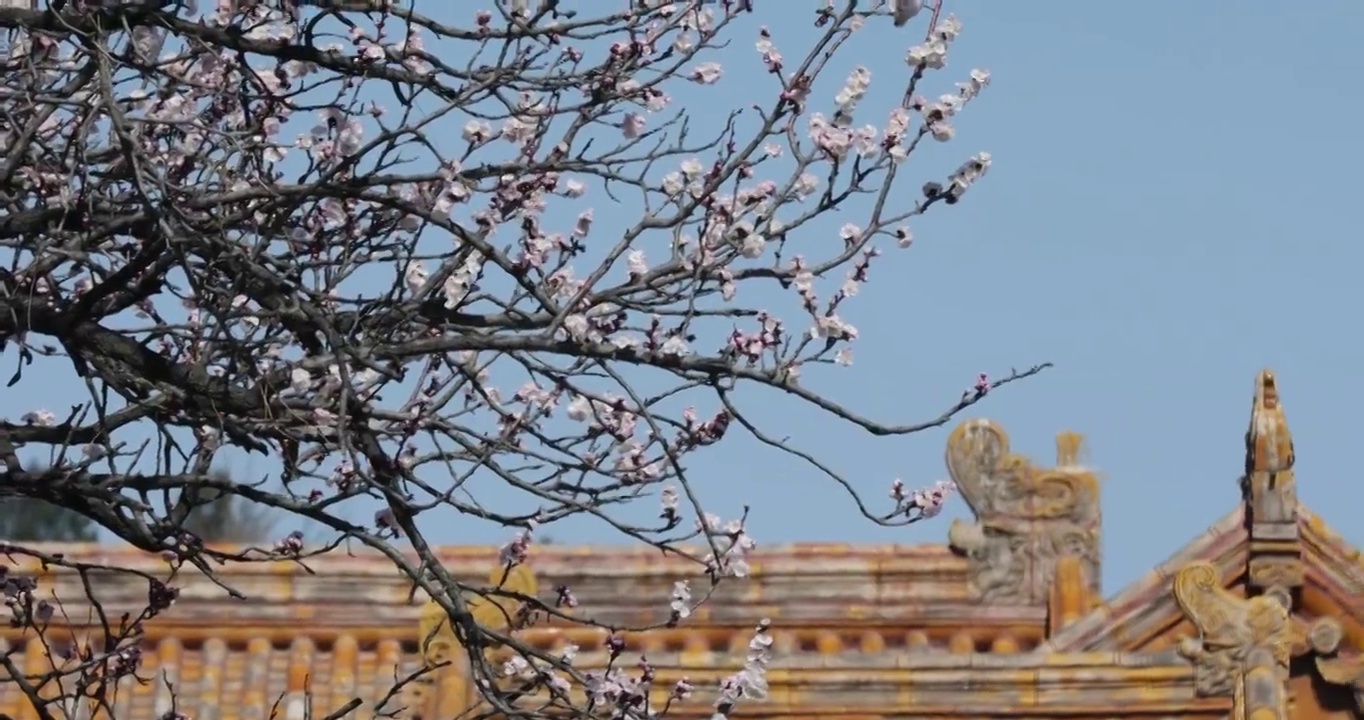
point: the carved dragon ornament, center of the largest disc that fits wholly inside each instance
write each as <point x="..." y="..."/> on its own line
<point x="1245" y="644"/>
<point x="1026" y="517"/>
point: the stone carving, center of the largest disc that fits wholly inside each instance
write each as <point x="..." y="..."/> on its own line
<point x="1270" y="492"/>
<point x="1245" y="644"/>
<point x="1335" y="667"/>
<point x="1269" y="444"/>
<point x="1026" y="517"/>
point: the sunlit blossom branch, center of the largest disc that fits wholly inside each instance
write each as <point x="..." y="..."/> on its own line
<point x="405" y="259"/>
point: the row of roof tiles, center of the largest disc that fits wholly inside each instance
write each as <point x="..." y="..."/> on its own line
<point x="220" y="680"/>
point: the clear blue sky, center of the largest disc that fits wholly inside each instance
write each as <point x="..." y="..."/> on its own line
<point x="1168" y="212"/>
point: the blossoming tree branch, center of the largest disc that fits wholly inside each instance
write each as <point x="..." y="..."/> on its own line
<point x="400" y="257"/>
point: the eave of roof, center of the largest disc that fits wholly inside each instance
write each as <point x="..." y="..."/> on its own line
<point x="218" y="682"/>
<point x="1146" y="607"/>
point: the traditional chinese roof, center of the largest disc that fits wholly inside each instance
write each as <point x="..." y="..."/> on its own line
<point x="1004" y="621"/>
<point x="350" y="620"/>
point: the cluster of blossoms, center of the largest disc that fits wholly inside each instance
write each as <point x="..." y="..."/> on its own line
<point x="626" y="693"/>
<point x="83" y="666"/>
<point x="517" y="549"/>
<point x="620" y="692"/>
<point x="403" y="273"/>
<point x="533" y="672"/>
<point x="733" y="545"/>
<point x="671" y="503"/>
<point x="24" y="607"/>
<point x="751" y="681"/>
<point x="680" y="602"/>
<point x="923" y="503"/>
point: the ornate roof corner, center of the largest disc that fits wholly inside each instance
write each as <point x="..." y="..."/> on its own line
<point x="1269" y="491"/>
<point x="1245" y="644"/>
<point x="1345" y="670"/>
<point x="1142" y="616"/>
<point x="1027" y="517"/>
<point x="445" y="689"/>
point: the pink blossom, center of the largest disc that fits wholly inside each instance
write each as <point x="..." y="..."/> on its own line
<point x="706" y="73"/>
<point x="633" y="125"/>
<point x="930" y="501"/>
<point x="517" y="549"/>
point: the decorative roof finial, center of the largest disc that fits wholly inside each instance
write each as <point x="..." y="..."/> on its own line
<point x="1270" y="492"/>
<point x="1269" y="444"/>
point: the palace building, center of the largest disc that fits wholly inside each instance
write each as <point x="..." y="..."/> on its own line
<point x="1260" y="616"/>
